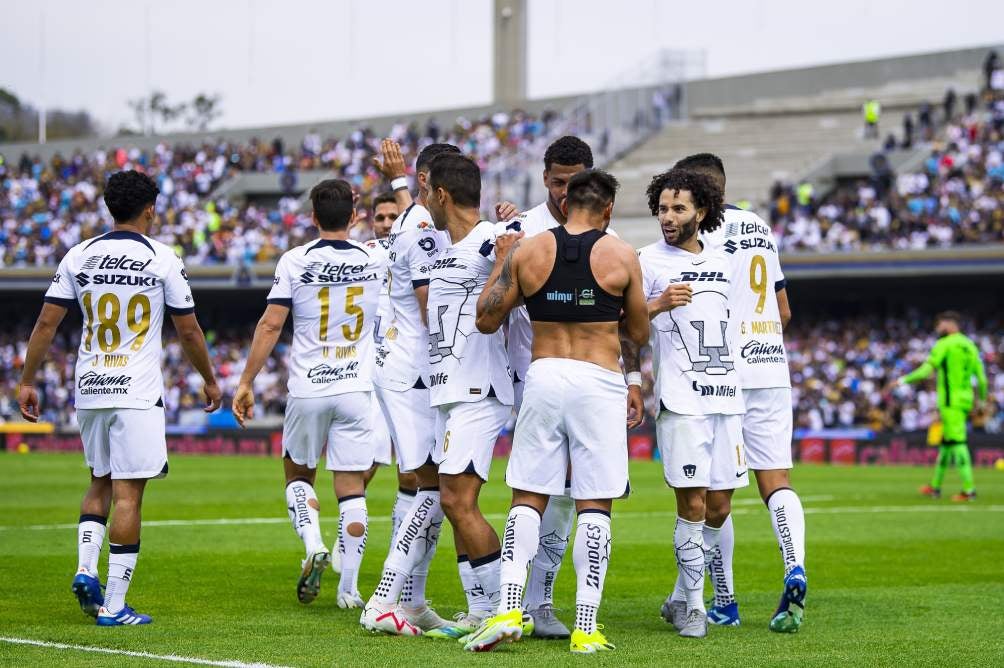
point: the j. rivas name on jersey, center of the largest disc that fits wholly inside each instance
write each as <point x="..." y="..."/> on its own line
<point x="325" y="272"/>
<point x="757" y="352"/>
<point x="325" y="373"/>
<point x="93" y="382"/>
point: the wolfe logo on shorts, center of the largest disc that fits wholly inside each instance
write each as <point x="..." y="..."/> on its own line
<point x="690" y="470"/>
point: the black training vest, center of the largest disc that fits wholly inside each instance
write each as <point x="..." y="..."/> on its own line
<point x="571" y="293"/>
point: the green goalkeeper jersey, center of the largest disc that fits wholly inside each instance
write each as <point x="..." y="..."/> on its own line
<point x="956" y="359"/>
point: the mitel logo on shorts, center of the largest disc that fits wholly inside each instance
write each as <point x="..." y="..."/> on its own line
<point x="325" y="373"/>
<point x="93" y="382"/>
<point x="689" y="470"/>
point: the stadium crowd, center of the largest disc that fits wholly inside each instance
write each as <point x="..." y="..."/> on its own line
<point x="47" y="207"/>
<point x="838" y="368"/>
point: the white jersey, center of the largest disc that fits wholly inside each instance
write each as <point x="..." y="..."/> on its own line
<point x="464" y="364"/>
<point x="412" y="246"/>
<point x="693" y="346"/>
<point x="385" y="312"/>
<point x="520" y="340"/>
<point x="333" y="288"/>
<point x="122" y="282"/>
<point x="755" y="277"/>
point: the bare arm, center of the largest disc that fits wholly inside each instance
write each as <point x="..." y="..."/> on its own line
<point x="501" y="293"/>
<point x="39" y="343"/>
<point x="783" y="308"/>
<point x="636" y="310"/>
<point x="677" y="294"/>
<point x="422" y="295"/>
<point x="266" y="335"/>
<point x="193" y="343"/>
<point x="631" y="354"/>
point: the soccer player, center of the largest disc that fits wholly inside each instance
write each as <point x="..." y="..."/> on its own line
<point x="956" y="359"/>
<point x="699" y="426"/>
<point x="469" y="379"/>
<point x="332" y="286"/>
<point x="122" y="281"/>
<point x="384" y="214"/>
<point x="759" y="300"/>
<point x="564" y="158"/>
<point x="576" y="282"/>
<point x="398" y="606"/>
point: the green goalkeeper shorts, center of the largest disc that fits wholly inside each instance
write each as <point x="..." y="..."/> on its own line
<point x="953" y="422"/>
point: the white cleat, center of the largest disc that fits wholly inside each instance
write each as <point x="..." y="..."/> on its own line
<point x="425" y="618"/>
<point x="387" y="618"/>
<point x="350" y="599"/>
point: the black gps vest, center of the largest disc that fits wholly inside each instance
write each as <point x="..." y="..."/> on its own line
<point x="571" y="293"/>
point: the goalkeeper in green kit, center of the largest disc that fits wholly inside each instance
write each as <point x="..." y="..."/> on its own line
<point x="956" y="359"/>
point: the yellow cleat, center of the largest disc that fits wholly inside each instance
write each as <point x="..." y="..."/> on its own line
<point x="505" y="627"/>
<point x="589" y="643"/>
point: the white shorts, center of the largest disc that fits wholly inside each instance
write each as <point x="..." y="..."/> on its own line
<point x="342" y="421"/>
<point x="465" y="435"/>
<point x="412" y="425"/>
<point x="573" y="412"/>
<point x="383" y="451"/>
<point x="767" y="428"/>
<point x="702" y="450"/>
<point x="128" y="443"/>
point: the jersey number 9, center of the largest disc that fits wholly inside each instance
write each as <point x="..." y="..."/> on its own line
<point x="758" y="280"/>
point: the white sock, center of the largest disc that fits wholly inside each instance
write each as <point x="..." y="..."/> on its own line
<point x="519" y="542"/>
<point x="473" y="590"/>
<point x="720" y="570"/>
<point x="413" y="549"/>
<point x="788" y="519"/>
<point x="305" y="518"/>
<point x="487" y="569"/>
<point x="591" y="556"/>
<point x="401" y="506"/>
<point x="555" y="530"/>
<point x="121" y="564"/>
<point x="688" y="544"/>
<point x="351" y="510"/>
<point x="90" y="538"/>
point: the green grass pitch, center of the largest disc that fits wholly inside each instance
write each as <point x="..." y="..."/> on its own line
<point x="894" y="579"/>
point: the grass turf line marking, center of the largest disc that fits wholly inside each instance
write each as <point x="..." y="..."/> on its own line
<point x="141" y="655"/>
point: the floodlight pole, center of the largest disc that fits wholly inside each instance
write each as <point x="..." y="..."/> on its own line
<point x="510" y="65"/>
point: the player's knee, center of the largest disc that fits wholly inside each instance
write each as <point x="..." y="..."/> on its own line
<point x="456" y="503"/>
<point x="355" y="529"/>
<point x="691" y="507"/>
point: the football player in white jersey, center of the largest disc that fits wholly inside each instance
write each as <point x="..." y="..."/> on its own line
<point x="332" y="286"/>
<point x="398" y="606"/>
<point x="699" y="426"/>
<point x="122" y="282"/>
<point x="760" y="301"/>
<point x="469" y="379"/>
<point x="563" y="159"/>
<point x="385" y="212"/>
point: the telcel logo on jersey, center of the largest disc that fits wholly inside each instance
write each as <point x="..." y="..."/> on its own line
<point x="325" y="272"/>
<point x="123" y="263"/>
<point x="93" y="382"/>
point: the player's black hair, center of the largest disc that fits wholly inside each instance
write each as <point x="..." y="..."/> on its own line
<point x="384" y="198"/>
<point x="430" y="152"/>
<point x="568" y="151"/>
<point x="332" y="202"/>
<point x="954" y="316"/>
<point x="702" y="162"/>
<point x="458" y="175"/>
<point x="128" y="193"/>
<point x="702" y="188"/>
<point x="592" y="189"/>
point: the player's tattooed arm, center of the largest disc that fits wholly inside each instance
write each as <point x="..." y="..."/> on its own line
<point x="501" y="293"/>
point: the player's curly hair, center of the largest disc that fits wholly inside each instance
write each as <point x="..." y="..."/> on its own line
<point x="127" y="193"/>
<point x="703" y="190"/>
<point x="568" y="151"/>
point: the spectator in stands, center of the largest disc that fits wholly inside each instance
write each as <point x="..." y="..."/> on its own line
<point x="949" y="104"/>
<point x="871" y="111"/>
<point x="907" y="131"/>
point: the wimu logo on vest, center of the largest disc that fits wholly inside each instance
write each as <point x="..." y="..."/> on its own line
<point x="93" y="382"/>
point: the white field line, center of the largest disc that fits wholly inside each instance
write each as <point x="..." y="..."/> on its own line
<point x="141" y="655"/>
<point x="745" y="509"/>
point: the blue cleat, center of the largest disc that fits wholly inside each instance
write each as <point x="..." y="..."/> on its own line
<point x="790" y="610"/>
<point x="87" y="589"/>
<point x="124" y="617"/>
<point x="724" y="615"/>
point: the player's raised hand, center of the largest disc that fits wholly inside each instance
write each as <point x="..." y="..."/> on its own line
<point x="243" y="404"/>
<point x="214" y="397"/>
<point x="392" y="165"/>
<point x="635" y="407"/>
<point x="504" y="244"/>
<point x="27" y="400"/>
<point x="677" y="294"/>
<point x="505" y="211"/>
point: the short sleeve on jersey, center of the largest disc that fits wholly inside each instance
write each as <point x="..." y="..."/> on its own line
<point x="281" y="293"/>
<point x="177" y="292"/>
<point x="61" y="291"/>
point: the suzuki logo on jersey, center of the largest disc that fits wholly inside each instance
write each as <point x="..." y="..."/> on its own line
<point x="325" y="272"/>
<point x="119" y="279"/>
<point x="93" y="382"/>
<point x="82" y="279"/>
<point x="121" y="262"/>
<point x="325" y="373"/>
<point x="716" y="363"/>
<point x="756" y="242"/>
<point x="563" y="297"/>
<point x="696" y="277"/>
